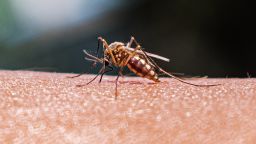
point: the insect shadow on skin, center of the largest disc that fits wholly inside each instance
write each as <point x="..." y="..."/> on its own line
<point x="137" y="60"/>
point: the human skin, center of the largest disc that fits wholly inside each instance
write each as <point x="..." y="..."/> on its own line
<point x="39" y="107"/>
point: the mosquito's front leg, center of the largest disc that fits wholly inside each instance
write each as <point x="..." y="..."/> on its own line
<point x="105" y="44"/>
<point x="100" y="72"/>
<point x="119" y="74"/>
<point x="106" y="71"/>
<point x="78" y="75"/>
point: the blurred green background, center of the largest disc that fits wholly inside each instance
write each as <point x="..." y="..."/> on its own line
<point x="212" y="37"/>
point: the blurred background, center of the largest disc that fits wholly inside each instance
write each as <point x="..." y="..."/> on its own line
<point x="212" y="37"/>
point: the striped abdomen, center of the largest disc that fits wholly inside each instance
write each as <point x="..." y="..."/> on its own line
<point x="141" y="68"/>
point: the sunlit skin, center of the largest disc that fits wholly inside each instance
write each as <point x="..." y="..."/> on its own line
<point x="38" y="107"/>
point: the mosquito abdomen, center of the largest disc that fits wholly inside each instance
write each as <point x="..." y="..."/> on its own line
<point x="141" y="68"/>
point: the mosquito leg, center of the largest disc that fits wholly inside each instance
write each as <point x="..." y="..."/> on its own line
<point x="133" y="40"/>
<point x="129" y="44"/>
<point x="173" y="76"/>
<point x="105" y="44"/>
<point x="98" y="47"/>
<point x="163" y="71"/>
<point x="111" y="69"/>
<point x="77" y="75"/>
<point x="116" y="86"/>
<point x="105" y="65"/>
<point x="91" y="58"/>
<point x="100" y="72"/>
<point x="119" y="73"/>
<point x="138" y="47"/>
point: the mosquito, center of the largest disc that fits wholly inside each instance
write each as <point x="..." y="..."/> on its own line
<point x="136" y="59"/>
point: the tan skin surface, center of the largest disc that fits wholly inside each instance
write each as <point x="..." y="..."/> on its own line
<point x="48" y="108"/>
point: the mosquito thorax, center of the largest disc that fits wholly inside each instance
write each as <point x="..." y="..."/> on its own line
<point x="115" y="45"/>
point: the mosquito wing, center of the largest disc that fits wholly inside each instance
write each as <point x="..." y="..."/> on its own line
<point x="150" y="54"/>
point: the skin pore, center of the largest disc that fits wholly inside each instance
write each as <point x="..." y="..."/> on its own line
<point x="39" y="107"/>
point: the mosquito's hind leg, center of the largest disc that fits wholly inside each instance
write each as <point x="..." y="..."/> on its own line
<point x="129" y="44"/>
<point x="173" y="76"/>
<point x="163" y="71"/>
<point x="133" y="53"/>
<point x="138" y="47"/>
